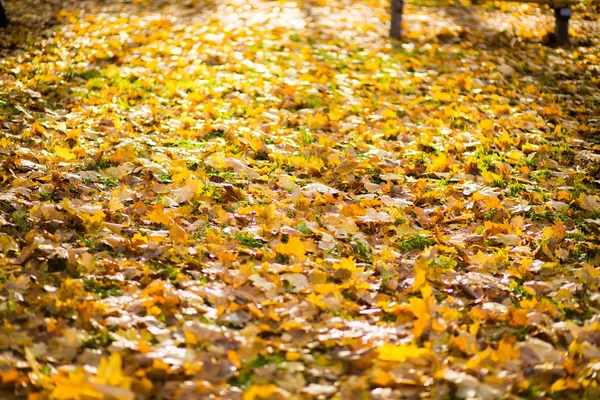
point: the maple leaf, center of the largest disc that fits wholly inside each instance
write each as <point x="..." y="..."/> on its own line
<point x="420" y="273"/>
<point x="110" y="372"/>
<point x="346" y="263"/>
<point x="74" y="385"/>
<point x="259" y="392"/>
<point x="177" y="234"/>
<point x="401" y="353"/>
<point x="64" y="153"/>
<point x="294" y="247"/>
<point x="588" y="202"/>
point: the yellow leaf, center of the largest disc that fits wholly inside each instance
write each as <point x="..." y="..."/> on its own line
<point x="490" y="177"/>
<point x="188" y="191"/>
<point x="556" y="231"/>
<point x="559" y="385"/>
<point x="316" y="300"/>
<point x="389" y="114"/>
<point x="177" y="234"/>
<point x="37" y="128"/>
<point x="465" y="82"/>
<point x="269" y="212"/>
<point x="153" y="310"/>
<point x="157" y="215"/>
<point x="94" y="221"/>
<point x="87" y="261"/>
<point x="123" y="154"/>
<point x="5" y="143"/>
<point x="486" y="125"/>
<point x="459" y="342"/>
<point x="110" y="372"/>
<point x="256" y="392"/>
<point x="426" y="291"/>
<point x="558" y="130"/>
<point x="442" y="96"/>
<point x="345" y="263"/>
<point x="421" y="309"/>
<point x="437" y="326"/>
<point x="234" y="358"/>
<point x="190" y="338"/>
<point x="401" y="353"/>
<point x="115" y="205"/>
<point x="315" y="164"/>
<point x="112" y="71"/>
<point x="420" y="274"/>
<point x="161" y="365"/>
<point x="317" y="121"/>
<point x="74" y="134"/>
<point x="143" y="347"/>
<point x="257" y="145"/>
<point x="514" y="156"/>
<point x="507" y="350"/>
<point x="336" y="114"/>
<point x="371" y="65"/>
<point x="226" y="256"/>
<point x="474" y="328"/>
<point x="64" y="153"/>
<point x="139" y="238"/>
<point x="74" y="386"/>
<point x="592" y="272"/>
<point x="531" y="89"/>
<point x="292" y="356"/>
<point x="383" y="379"/>
<point x="324" y="288"/>
<point x="480" y="258"/>
<point x="419" y="326"/>
<point x="552" y="109"/>
<point x="450" y="314"/>
<point x="294" y="247"/>
<point x="440" y="163"/>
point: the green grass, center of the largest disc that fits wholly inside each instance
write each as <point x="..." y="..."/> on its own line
<point x="21" y="220"/>
<point x="248" y="240"/>
<point x="99" y="339"/>
<point x="110" y="182"/>
<point x="294" y="37"/>
<point x="247" y="372"/>
<point x="95" y="84"/>
<point x="414" y="242"/>
<point x="541" y="174"/>
<point x="305" y="138"/>
<point x="362" y="251"/>
<point x="112" y="288"/>
<point x="303" y="228"/>
<point x="514" y="189"/>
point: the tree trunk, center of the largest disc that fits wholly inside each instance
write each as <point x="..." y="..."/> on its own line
<point x="3" y="19"/>
<point x="396" y="24"/>
<point x="561" y="31"/>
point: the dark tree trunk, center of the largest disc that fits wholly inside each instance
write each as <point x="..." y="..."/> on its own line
<point x="562" y="16"/>
<point x="396" y="24"/>
<point x="3" y="18"/>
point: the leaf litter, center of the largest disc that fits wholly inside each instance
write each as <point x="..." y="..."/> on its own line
<point x="273" y="200"/>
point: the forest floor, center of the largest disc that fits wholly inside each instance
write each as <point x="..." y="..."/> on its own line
<point x="272" y="199"/>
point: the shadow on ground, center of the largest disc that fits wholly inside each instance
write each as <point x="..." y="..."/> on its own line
<point x="32" y="20"/>
<point x="36" y="25"/>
